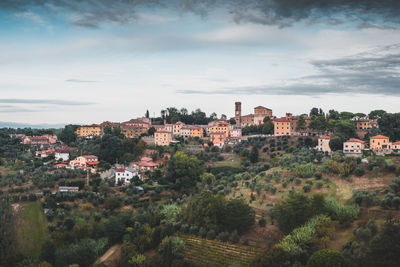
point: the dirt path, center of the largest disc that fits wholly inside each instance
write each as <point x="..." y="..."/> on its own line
<point x="111" y="257"/>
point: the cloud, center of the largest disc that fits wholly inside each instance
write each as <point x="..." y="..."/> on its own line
<point x="44" y="101"/>
<point x="375" y="72"/>
<point x="80" y="81"/>
<point x="33" y="17"/>
<point x="92" y="14"/>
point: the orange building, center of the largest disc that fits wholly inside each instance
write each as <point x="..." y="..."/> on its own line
<point x="220" y="128"/>
<point x="196" y="131"/>
<point x="379" y="142"/>
<point x="162" y="138"/>
<point x="218" y="139"/>
<point x="89" y="131"/>
<point x="133" y="131"/>
<point x="260" y="113"/>
<point x="282" y="126"/>
<point x="353" y="147"/>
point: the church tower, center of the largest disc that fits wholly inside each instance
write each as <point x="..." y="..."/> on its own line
<point x="238" y="113"/>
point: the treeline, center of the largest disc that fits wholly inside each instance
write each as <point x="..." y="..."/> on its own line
<point x="173" y="115"/>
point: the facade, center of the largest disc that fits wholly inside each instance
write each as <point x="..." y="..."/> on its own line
<point x="353" y="147"/>
<point x="145" y="164"/>
<point x="238" y="113"/>
<point x="133" y="131"/>
<point x="176" y="128"/>
<point x="125" y="175"/>
<point x="247" y="120"/>
<point x="220" y="128"/>
<point x="139" y="122"/>
<point x="185" y="131"/>
<point x="218" y="139"/>
<point x="260" y="113"/>
<point x="162" y="138"/>
<point x="365" y="123"/>
<point x="236" y="132"/>
<point x="89" y="131"/>
<point x="323" y="144"/>
<point x="85" y="162"/>
<point x="196" y="131"/>
<point x="379" y="142"/>
<point x="36" y="140"/>
<point x="61" y="154"/>
<point x="68" y="189"/>
<point x="282" y="126"/>
<point x="396" y="147"/>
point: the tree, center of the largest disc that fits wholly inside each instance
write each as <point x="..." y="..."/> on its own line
<point x="115" y="229"/>
<point x="48" y="252"/>
<point x="254" y="155"/>
<point x="389" y="124"/>
<point x="147" y="115"/>
<point x="171" y="249"/>
<point x="314" y="111"/>
<point x="184" y="170"/>
<point x="326" y="258"/>
<point x="345" y="115"/>
<point x="336" y="143"/>
<point x="345" y="129"/>
<point x="376" y="114"/>
<point x="68" y="134"/>
<point x="223" y="117"/>
<point x="301" y="124"/>
<point x="6" y="228"/>
<point x="232" y="121"/>
<point x="273" y="257"/>
<point x="333" y="114"/>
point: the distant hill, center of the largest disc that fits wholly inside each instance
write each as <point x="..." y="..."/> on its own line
<point x="4" y="124"/>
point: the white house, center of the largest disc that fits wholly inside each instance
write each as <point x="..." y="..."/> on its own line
<point x="125" y="175"/>
<point x="61" y="154"/>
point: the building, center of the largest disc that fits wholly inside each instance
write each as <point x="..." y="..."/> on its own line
<point x="185" y="131"/>
<point x="236" y="132"/>
<point x="282" y="126"/>
<point x="162" y="138"/>
<point x="89" y="130"/>
<point x="323" y="144"/>
<point x="36" y="140"/>
<point x="176" y="128"/>
<point x="133" y="131"/>
<point x="146" y="164"/>
<point x="247" y="120"/>
<point x="353" y="147"/>
<point x="260" y="113"/>
<point x="380" y="145"/>
<point x="139" y="122"/>
<point x="238" y="113"/>
<point x="125" y="176"/>
<point x="218" y="139"/>
<point x="220" y="128"/>
<point x="365" y="123"/>
<point x="61" y="154"/>
<point x="196" y="131"/>
<point x="44" y="153"/>
<point x="85" y="162"/>
<point x="68" y="189"/>
<point x="396" y="147"/>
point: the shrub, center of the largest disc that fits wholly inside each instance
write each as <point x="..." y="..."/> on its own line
<point x="223" y="236"/>
<point x="326" y="258"/>
<point x="345" y="214"/>
<point x="307" y="188"/>
<point x="211" y="235"/>
<point x="234" y="237"/>
<point x="304" y="170"/>
<point x="262" y="222"/>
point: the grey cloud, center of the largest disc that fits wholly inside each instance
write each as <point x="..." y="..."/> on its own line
<point x="375" y="72"/>
<point x="89" y="13"/>
<point x="44" y="101"/>
<point x="79" y="81"/>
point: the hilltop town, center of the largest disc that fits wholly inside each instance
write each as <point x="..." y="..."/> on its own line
<point x="219" y="191"/>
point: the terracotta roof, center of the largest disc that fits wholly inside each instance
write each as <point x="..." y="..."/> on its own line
<point x="93" y="162"/>
<point x="89" y="156"/>
<point x="262" y="107"/>
<point x="38" y="138"/>
<point x="282" y="120"/>
<point x="325" y="137"/>
<point x="159" y="131"/>
<point x="396" y="143"/>
<point x="379" y="137"/>
<point x="355" y="140"/>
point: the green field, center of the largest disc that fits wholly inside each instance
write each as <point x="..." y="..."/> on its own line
<point x="31" y="230"/>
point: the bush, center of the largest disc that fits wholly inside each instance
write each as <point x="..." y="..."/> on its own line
<point x="307" y="188"/>
<point x="234" y="238"/>
<point x="304" y="170"/>
<point x="262" y="222"/>
<point x="223" y="236"/>
<point x="211" y="235"/>
<point x="326" y="258"/>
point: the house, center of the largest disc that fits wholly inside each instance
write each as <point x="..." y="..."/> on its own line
<point x="396" y="147"/>
<point x="139" y="122"/>
<point x="365" y="123"/>
<point x="44" y="153"/>
<point x="51" y="137"/>
<point x="219" y="128"/>
<point x="176" y="128"/>
<point x="62" y="154"/>
<point x="68" y="189"/>
<point x="36" y="140"/>
<point x="62" y="165"/>
<point x="145" y="164"/>
<point x="282" y="126"/>
<point x="162" y="138"/>
<point x="185" y="131"/>
<point x="196" y="131"/>
<point x="124" y="175"/>
<point x="323" y="144"/>
<point x="353" y="147"/>
<point x="133" y="131"/>
<point x="379" y="142"/>
<point x="236" y="132"/>
<point x="89" y="131"/>
<point x="85" y="162"/>
<point x="218" y="139"/>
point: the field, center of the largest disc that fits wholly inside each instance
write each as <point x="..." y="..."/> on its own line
<point x="203" y="252"/>
<point x="31" y="230"/>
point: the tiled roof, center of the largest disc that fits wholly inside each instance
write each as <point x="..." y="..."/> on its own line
<point x="355" y="140"/>
<point x="89" y="156"/>
<point x="282" y="120"/>
<point x="379" y="137"/>
<point x="325" y="137"/>
<point x="159" y="131"/>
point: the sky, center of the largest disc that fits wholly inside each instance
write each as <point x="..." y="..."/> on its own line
<point x="85" y="61"/>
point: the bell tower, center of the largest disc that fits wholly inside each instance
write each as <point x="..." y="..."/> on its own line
<point x="238" y="113"/>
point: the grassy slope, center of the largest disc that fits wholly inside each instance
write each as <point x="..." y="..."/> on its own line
<point x="31" y="230"/>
